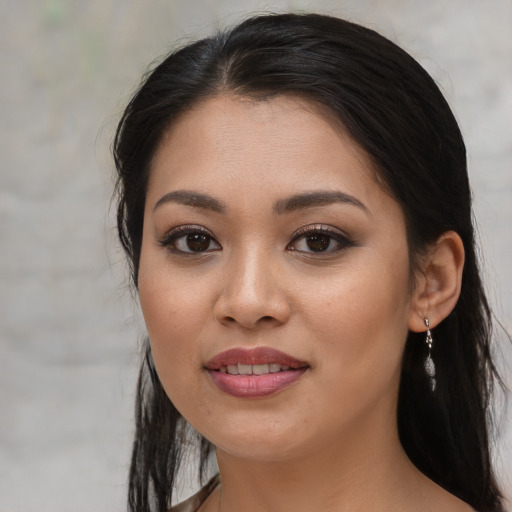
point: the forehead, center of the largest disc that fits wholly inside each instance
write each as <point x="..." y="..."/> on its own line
<point x="282" y="144"/>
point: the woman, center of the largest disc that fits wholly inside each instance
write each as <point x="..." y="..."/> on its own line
<point x="294" y="203"/>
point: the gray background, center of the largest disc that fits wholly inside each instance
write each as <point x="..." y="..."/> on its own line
<point x="69" y="329"/>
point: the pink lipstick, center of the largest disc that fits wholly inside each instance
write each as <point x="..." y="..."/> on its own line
<point x="254" y="373"/>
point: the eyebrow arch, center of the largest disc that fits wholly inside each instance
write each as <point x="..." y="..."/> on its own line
<point x="191" y="198"/>
<point x="314" y="199"/>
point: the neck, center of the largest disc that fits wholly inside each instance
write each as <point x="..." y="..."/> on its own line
<point x="358" y="473"/>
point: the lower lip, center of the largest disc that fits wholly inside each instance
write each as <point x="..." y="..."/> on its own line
<point x="255" y="386"/>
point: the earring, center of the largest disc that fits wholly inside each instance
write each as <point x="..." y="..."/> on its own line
<point x="430" y="367"/>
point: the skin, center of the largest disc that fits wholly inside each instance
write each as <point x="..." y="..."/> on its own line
<point x="345" y="310"/>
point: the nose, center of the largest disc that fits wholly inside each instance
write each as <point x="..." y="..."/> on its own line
<point x="252" y="296"/>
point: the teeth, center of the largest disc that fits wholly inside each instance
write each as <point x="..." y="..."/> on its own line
<point x="260" y="369"/>
<point x="244" y="369"/>
<point x="253" y="369"/>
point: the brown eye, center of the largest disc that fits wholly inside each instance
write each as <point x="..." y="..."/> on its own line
<point x="197" y="242"/>
<point x="318" y="242"/>
<point x="189" y="240"/>
<point x="319" y="239"/>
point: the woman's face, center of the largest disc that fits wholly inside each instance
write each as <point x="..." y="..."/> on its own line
<point x="274" y="280"/>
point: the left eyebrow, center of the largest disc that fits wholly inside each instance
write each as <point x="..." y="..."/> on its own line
<point x="314" y="199"/>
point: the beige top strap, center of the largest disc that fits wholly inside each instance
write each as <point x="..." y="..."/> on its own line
<point x="193" y="503"/>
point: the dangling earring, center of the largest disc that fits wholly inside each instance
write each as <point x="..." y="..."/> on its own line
<point x="430" y="367"/>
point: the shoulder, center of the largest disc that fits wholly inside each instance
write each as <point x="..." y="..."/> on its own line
<point x="193" y="503"/>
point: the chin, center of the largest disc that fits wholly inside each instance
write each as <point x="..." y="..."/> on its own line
<point x="262" y="441"/>
<point x="260" y="449"/>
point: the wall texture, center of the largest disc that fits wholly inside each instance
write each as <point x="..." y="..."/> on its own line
<point x="69" y="329"/>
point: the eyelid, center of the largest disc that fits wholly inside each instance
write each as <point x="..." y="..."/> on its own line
<point x="183" y="230"/>
<point x="337" y="234"/>
<point x="318" y="228"/>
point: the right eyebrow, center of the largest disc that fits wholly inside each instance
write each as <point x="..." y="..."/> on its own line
<point x="191" y="198"/>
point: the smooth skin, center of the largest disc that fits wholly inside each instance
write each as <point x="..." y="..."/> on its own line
<point x="264" y="226"/>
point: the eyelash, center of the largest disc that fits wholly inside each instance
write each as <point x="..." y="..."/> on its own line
<point x="342" y="240"/>
<point x="339" y="237"/>
<point x="170" y="239"/>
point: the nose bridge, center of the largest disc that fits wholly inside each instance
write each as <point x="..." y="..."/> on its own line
<point x="251" y="293"/>
<point x="254" y="269"/>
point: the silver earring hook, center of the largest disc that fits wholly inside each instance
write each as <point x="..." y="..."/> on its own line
<point x="430" y="367"/>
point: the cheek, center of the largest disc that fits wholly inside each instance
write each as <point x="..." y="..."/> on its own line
<point x="174" y="327"/>
<point x="361" y="322"/>
<point x="177" y="305"/>
<point x="172" y="313"/>
<point x="171" y="299"/>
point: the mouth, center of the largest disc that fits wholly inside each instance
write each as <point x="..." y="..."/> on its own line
<point x="256" y="372"/>
<point x="254" y="369"/>
<point x="257" y="359"/>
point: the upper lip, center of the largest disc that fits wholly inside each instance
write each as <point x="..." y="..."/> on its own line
<point x="257" y="355"/>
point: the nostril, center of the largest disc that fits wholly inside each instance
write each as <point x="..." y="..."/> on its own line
<point x="230" y="320"/>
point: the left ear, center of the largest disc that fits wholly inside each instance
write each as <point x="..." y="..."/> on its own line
<point x="438" y="282"/>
